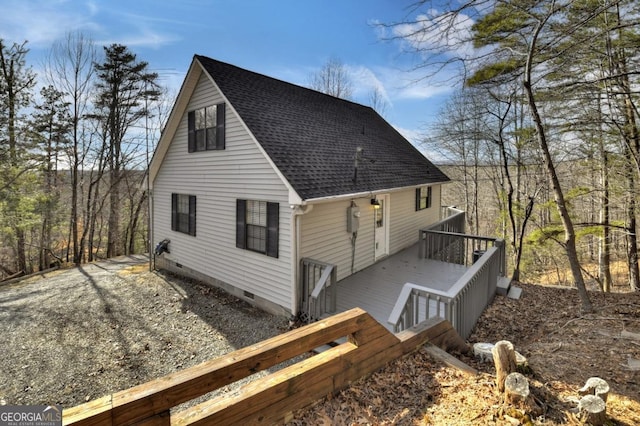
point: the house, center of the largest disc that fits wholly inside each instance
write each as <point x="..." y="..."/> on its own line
<point x="253" y="174"/>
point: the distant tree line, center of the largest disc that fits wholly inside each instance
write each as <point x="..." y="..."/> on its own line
<point x="73" y="155"/>
<point x="548" y="120"/>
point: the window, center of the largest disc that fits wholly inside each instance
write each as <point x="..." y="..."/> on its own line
<point x="206" y="128"/>
<point x="183" y="213"/>
<point x="257" y="226"/>
<point x="423" y="198"/>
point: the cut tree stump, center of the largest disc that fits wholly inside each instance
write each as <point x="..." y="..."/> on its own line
<point x="516" y="389"/>
<point x="517" y="394"/>
<point x="593" y="410"/>
<point x="504" y="357"/>
<point x="595" y="386"/>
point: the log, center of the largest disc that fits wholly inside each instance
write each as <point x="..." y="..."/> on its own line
<point x="593" y="410"/>
<point x="504" y="358"/>
<point x="482" y="351"/>
<point x="450" y="360"/>
<point x="595" y="386"/>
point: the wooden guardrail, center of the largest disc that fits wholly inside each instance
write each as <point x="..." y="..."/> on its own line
<point x="274" y="397"/>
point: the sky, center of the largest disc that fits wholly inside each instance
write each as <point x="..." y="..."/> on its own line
<point x="285" y="39"/>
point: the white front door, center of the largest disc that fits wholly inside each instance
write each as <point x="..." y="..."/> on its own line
<point x="381" y="226"/>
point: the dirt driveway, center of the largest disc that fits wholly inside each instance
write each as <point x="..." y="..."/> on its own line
<point x="78" y="334"/>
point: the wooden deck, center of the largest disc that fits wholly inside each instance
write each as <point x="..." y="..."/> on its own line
<point x="376" y="288"/>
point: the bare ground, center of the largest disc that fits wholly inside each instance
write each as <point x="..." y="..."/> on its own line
<point x="83" y="333"/>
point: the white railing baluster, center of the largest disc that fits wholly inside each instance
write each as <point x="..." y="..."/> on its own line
<point x="461" y="305"/>
<point x="318" y="288"/>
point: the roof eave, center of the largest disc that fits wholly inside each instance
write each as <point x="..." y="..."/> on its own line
<point x="182" y="101"/>
<point x="366" y="194"/>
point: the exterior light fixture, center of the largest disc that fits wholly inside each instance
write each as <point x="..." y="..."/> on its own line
<point x="375" y="203"/>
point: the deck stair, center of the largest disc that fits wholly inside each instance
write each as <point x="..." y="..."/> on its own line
<point x="504" y="285"/>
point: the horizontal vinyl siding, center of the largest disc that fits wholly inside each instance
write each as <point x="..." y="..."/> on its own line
<point x="217" y="179"/>
<point x="406" y="221"/>
<point x="325" y="237"/>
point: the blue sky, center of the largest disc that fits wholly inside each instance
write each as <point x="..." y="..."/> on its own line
<point x="286" y="39"/>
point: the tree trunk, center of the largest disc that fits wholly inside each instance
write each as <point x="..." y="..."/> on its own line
<point x="567" y="223"/>
<point x="632" y="241"/>
<point x="631" y="134"/>
<point x="113" y="228"/>
<point x="504" y="358"/>
<point x="134" y="223"/>
<point x="605" y="240"/>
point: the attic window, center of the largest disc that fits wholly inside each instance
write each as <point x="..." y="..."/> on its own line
<point x="206" y="128"/>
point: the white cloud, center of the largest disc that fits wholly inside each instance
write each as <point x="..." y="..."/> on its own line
<point x="366" y="81"/>
<point x="423" y="90"/>
<point x="412" y="135"/>
<point x="399" y="84"/>
<point x="41" y="22"/>
<point x="445" y="33"/>
<point x="144" y="37"/>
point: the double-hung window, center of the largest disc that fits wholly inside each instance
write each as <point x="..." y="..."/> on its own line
<point x="257" y="226"/>
<point x="206" y="128"/>
<point x="183" y="213"/>
<point x="423" y="198"/>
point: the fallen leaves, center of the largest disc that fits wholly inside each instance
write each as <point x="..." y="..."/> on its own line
<point x="564" y="349"/>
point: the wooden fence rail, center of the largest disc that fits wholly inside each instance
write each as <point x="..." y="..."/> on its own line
<point x="274" y="397"/>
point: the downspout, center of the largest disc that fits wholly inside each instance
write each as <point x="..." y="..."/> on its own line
<point x="296" y="212"/>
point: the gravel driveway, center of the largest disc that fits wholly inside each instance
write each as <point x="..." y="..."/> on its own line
<point x="79" y="334"/>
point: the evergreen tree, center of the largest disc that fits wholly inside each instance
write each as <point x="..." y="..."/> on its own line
<point x="125" y="85"/>
<point x="52" y="125"/>
<point x="16" y="83"/>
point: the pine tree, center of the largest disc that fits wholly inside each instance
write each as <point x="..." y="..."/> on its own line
<point x="16" y="83"/>
<point x="124" y="84"/>
<point x="52" y="125"/>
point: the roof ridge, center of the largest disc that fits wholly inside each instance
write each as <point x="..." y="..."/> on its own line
<point x="208" y="58"/>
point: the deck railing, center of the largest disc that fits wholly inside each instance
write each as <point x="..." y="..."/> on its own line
<point x="318" y="297"/>
<point x="461" y="249"/>
<point x="453" y="221"/>
<point x="462" y="305"/>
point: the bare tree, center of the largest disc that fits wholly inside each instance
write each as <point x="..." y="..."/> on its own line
<point x="332" y="79"/>
<point x="69" y="68"/>
<point x="378" y="102"/>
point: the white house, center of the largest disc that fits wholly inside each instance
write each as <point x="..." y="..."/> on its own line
<point x="253" y="174"/>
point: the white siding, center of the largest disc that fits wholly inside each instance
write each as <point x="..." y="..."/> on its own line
<point x="217" y="179"/>
<point x="406" y="221"/>
<point x="325" y="237"/>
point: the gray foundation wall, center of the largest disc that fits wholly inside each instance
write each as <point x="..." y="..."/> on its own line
<point x="161" y="263"/>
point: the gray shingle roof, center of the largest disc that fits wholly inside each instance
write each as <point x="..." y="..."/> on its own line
<point x="312" y="137"/>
